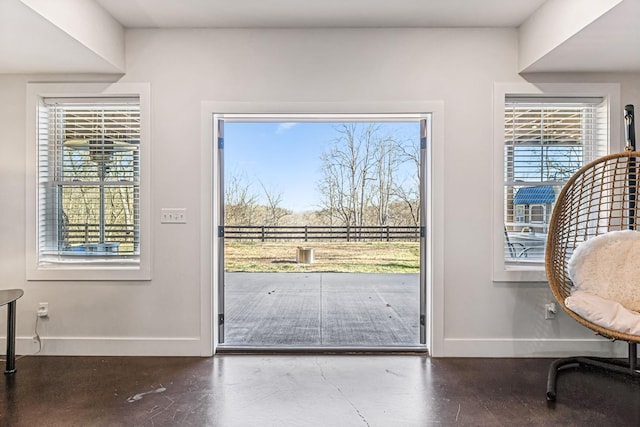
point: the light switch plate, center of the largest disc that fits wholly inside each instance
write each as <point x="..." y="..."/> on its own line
<point x="173" y="216"/>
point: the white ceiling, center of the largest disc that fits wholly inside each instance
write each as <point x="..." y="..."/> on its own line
<point x="29" y="43"/>
<point x="610" y="43"/>
<point x="323" y="13"/>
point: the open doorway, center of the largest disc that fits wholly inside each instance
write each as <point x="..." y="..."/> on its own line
<point x="321" y="232"/>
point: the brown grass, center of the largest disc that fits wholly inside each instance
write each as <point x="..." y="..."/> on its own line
<point x="350" y="257"/>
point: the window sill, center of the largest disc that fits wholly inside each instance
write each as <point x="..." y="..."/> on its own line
<point x="88" y="272"/>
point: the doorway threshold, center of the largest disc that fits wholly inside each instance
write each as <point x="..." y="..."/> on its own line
<point x="231" y="349"/>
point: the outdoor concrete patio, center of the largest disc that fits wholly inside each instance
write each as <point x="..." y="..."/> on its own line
<point x="322" y="309"/>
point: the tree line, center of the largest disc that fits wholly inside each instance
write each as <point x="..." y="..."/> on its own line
<point x="369" y="177"/>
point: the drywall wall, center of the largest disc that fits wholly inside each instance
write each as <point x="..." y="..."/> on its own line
<point x="458" y="67"/>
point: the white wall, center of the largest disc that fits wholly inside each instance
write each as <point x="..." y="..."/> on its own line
<point x="189" y="67"/>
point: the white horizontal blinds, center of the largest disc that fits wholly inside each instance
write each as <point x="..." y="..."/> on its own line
<point x="546" y="141"/>
<point x="89" y="179"/>
<point x="47" y="196"/>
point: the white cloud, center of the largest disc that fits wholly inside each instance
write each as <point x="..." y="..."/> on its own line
<point x="283" y="127"/>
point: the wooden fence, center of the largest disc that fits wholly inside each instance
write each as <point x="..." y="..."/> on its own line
<point x="90" y="233"/>
<point x="306" y="233"/>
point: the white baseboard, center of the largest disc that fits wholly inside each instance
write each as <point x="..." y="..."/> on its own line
<point x="107" y="346"/>
<point x="462" y="347"/>
<point x="450" y="347"/>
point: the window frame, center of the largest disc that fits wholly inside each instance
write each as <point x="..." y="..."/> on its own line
<point x="105" y="269"/>
<point x="610" y="92"/>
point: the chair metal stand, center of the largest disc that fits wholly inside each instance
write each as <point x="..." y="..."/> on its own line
<point x="628" y="367"/>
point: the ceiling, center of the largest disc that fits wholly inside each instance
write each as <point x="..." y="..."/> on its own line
<point x="610" y="43"/>
<point x="32" y="39"/>
<point x="29" y="43"/>
<point x="325" y="13"/>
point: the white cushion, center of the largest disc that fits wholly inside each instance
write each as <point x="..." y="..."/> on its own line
<point x="603" y="312"/>
<point x="609" y="266"/>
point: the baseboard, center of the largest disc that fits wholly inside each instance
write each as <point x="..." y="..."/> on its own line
<point x="107" y="346"/>
<point x="463" y="347"/>
<point x="450" y="347"/>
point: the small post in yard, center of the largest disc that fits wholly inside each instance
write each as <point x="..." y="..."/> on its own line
<point x="305" y="255"/>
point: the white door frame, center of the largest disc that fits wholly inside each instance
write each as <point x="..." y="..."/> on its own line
<point x="433" y="205"/>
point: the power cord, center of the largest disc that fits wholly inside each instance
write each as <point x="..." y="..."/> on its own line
<point x="36" y="337"/>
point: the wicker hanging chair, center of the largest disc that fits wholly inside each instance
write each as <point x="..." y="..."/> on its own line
<point x="598" y="199"/>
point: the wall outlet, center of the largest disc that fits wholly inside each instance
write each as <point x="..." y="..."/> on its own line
<point x="43" y="309"/>
<point x="550" y="311"/>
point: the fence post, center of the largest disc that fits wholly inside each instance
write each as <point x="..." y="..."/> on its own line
<point x="388" y="236"/>
<point x="306" y="237"/>
<point x="263" y="233"/>
<point x="348" y="234"/>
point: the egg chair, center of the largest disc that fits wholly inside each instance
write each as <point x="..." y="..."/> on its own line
<point x="592" y="255"/>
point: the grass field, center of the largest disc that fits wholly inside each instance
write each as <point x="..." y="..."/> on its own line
<point x="348" y="257"/>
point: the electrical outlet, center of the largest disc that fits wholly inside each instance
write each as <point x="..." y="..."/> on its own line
<point x="43" y="309"/>
<point x="550" y="311"/>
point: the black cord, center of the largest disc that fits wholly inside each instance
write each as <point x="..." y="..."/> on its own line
<point x="36" y="337"/>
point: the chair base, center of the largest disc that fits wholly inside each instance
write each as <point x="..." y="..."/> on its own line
<point x="628" y="367"/>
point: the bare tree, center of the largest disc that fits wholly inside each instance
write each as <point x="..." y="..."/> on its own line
<point x="407" y="193"/>
<point x="240" y="203"/>
<point x="348" y="170"/>
<point x="387" y="162"/>
<point x="336" y="201"/>
<point x="273" y="212"/>
<point x="406" y="211"/>
<point x="362" y="181"/>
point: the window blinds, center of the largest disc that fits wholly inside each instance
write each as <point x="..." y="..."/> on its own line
<point x="89" y="168"/>
<point x="546" y="140"/>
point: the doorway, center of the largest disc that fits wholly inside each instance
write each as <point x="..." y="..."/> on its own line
<point x="321" y="235"/>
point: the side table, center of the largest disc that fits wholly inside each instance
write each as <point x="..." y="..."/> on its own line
<point x="9" y="297"/>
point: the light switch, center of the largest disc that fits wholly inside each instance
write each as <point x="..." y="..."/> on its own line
<point x="173" y="216"/>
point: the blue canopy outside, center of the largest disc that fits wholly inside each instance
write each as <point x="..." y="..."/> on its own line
<point x="534" y="195"/>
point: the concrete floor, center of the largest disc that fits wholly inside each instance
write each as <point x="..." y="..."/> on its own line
<point x="309" y="390"/>
<point x="322" y="309"/>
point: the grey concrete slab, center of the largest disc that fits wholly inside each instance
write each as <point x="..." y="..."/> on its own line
<point x="321" y="309"/>
<point x="276" y="309"/>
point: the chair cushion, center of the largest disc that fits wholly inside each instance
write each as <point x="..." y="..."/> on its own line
<point x="603" y="312"/>
<point x="608" y="266"/>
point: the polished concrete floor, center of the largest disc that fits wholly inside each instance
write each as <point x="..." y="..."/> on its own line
<point x="309" y="390"/>
<point x="322" y="309"/>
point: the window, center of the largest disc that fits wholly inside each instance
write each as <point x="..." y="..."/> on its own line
<point x="88" y="209"/>
<point x="89" y="177"/>
<point x="544" y="139"/>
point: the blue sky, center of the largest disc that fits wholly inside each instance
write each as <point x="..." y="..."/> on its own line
<point x="285" y="156"/>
